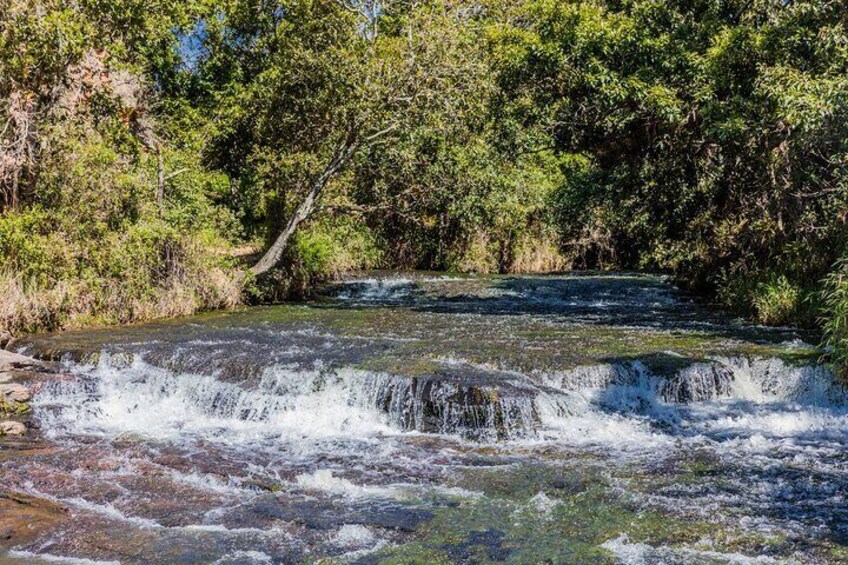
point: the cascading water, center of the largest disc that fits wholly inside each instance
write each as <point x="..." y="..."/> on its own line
<point x="524" y="420"/>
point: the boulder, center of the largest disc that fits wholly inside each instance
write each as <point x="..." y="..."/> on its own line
<point x="13" y="361"/>
<point x="12" y="428"/>
<point x="698" y="383"/>
<point x="14" y="392"/>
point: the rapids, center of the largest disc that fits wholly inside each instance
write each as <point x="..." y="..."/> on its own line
<point x="437" y="419"/>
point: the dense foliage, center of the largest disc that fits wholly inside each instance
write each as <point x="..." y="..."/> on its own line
<point x="710" y="137"/>
<point x="146" y="145"/>
<point x="82" y="239"/>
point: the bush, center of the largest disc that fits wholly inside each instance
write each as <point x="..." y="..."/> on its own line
<point x="768" y="298"/>
<point x="778" y="302"/>
<point x="29" y="249"/>
<point x="329" y="248"/>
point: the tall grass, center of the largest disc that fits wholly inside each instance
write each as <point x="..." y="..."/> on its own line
<point x="160" y="277"/>
<point x="835" y="319"/>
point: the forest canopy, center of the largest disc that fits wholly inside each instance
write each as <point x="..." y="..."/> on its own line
<point x="158" y="158"/>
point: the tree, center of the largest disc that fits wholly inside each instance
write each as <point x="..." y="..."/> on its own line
<point x="56" y="66"/>
<point x="708" y="135"/>
<point x="313" y="90"/>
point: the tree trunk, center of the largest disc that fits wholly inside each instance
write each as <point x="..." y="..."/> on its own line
<point x="160" y="182"/>
<point x="275" y="252"/>
<point x="13" y="197"/>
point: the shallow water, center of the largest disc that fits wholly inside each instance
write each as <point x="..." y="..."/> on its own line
<point x="435" y="419"/>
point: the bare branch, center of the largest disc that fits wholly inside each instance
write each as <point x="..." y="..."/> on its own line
<point x="176" y="173"/>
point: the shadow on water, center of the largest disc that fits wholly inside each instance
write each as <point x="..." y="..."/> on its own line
<point x="618" y="302"/>
<point x="623" y="300"/>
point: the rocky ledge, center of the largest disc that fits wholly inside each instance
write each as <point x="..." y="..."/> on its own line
<point x="22" y="516"/>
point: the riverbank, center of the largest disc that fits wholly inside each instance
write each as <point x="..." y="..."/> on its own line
<point x="195" y="280"/>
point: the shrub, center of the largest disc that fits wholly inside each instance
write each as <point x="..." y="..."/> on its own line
<point x="777" y="301"/>
<point x="29" y="248"/>
<point x="329" y="248"/>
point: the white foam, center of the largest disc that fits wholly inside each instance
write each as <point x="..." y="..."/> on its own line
<point x="251" y="556"/>
<point x="205" y="482"/>
<point x="543" y="504"/>
<point x="643" y="554"/>
<point x="109" y="511"/>
<point x="353" y="536"/>
<point x="324" y="481"/>
<point x="613" y="406"/>
<point x="149" y="401"/>
<point x="218" y="528"/>
<point x="377" y="290"/>
<point x="31" y="557"/>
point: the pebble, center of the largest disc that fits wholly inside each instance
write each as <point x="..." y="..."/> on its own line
<point x="12" y="428"/>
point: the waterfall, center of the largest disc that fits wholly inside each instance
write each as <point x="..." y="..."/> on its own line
<point x="129" y="394"/>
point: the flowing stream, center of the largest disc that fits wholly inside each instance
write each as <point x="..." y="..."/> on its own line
<point x="438" y="419"/>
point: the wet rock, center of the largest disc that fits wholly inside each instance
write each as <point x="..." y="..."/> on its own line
<point x="325" y="514"/>
<point x="10" y="362"/>
<point x="23" y="517"/>
<point x="699" y="382"/>
<point x="21" y="377"/>
<point x="12" y="428"/>
<point x="476" y="403"/>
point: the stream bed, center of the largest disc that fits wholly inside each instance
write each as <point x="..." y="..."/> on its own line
<point x="426" y="418"/>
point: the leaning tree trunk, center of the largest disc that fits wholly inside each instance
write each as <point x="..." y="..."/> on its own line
<point x="275" y="252"/>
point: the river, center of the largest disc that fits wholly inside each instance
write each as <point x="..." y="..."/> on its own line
<point x="427" y="418"/>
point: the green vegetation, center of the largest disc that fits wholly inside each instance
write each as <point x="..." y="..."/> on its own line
<point x="84" y="141"/>
<point x="160" y="158"/>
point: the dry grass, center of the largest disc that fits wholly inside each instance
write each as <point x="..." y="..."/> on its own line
<point x="529" y="254"/>
<point x="479" y="255"/>
<point x="26" y="308"/>
<point x="22" y="309"/>
<point x="538" y="256"/>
